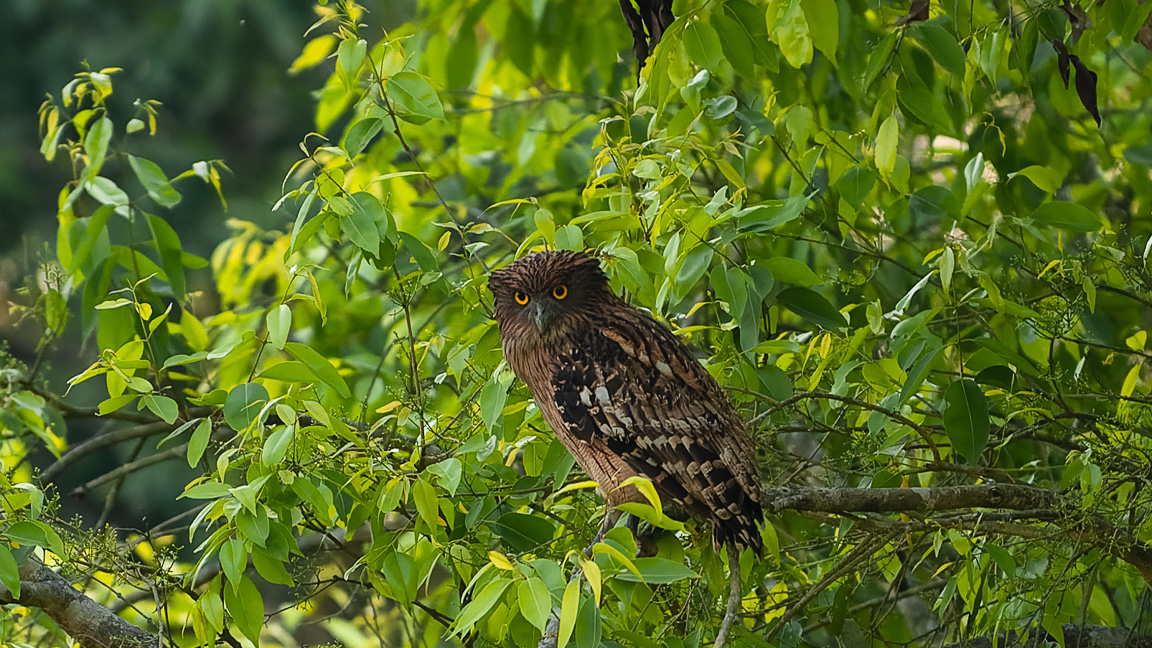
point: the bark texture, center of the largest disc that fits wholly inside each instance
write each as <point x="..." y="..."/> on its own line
<point x="90" y="624"/>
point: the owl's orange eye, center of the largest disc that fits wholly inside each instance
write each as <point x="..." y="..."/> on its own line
<point x="560" y="292"/>
<point x="521" y="298"/>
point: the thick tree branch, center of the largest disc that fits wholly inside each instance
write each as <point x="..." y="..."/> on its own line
<point x="881" y="500"/>
<point x="1038" y="504"/>
<point x="86" y="621"/>
<point x="1083" y="636"/>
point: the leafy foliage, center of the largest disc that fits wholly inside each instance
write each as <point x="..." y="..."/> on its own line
<point x="915" y="257"/>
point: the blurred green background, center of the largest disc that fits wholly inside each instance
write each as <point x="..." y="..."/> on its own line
<point x="220" y="70"/>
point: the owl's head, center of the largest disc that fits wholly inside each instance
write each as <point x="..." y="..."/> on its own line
<point x="549" y="293"/>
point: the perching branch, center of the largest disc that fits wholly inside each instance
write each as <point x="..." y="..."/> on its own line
<point x="882" y="500"/>
<point x="1085" y="636"/>
<point x="1040" y="504"/>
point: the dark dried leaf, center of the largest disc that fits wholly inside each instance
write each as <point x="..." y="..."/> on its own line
<point x="1145" y="36"/>
<point x="639" y="38"/>
<point x="1086" y="87"/>
<point x="1078" y="18"/>
<point x="1062" y="60"/>
<point x="917" y="12"/>
<point x="647" y="26"/>
<point x="657" y="16"/>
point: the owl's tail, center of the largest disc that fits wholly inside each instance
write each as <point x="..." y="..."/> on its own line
<point x="741" y="529"/>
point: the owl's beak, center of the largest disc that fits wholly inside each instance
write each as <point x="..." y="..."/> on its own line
<point x="541" y="314"/>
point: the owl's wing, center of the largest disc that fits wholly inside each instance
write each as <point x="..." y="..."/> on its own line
<point x="635" y="389"/>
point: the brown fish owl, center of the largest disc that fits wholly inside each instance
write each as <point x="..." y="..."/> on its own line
<point x="624" y="395"/>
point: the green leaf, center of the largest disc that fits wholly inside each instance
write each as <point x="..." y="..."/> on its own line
<point x="180" y="359"/>
<point x="399" y="571"/>
<point x="96" y="147"/>
<point x="161" y="406"/>
<point x="776" y="381"/>
<point x="947" y="267"/>
<point x="212" y="607"/>
<point x="492" y="398"/>
<point x="966" y="419"/>
<point x="9" y="571"/>
<point x="568" y="609"/>
<point x="535" y="601"/>
<point x="521" y="532"/>
<point x="812" y="307"/>
<point x="427" y="505"/>
<point x="718" y="279"/>
<point x="917" y="99"/>
<point x="288" y="371"/>
<point x="791" y="33"/>
<point x="319" y="366"/>
<point x="460" y="66"/>
<point x="569" y="237"/>
<point x="233" y="560"/>
<point x="791" y="271"/>
<point x="657" y="571"/>
<point x="520" y="40"/>
<point x="702" y="44"/>
<point x="244" y="404"/>
<point x="694" y="265"/>
<point x="823" y="18"/>
<point x="349" y="57"/>
<point x="276" y="445"/>
<point x="886" y="139"/>
<point x="271" y="568"/>
<point x="252" y="526"/>
<point x="279" y="323"/>
<point x="917" y="374"/>
<point x="720" y="107"/>
<point x="546" y="224"/>
<point x="360" y="224"/>
<point x="736" y="43"/>
<point x="1067" y="215"/>
<point x="157" y="185"/>
<point x="198" y="442"/>
<point x="933" y="204"/>
<point x="589" y="627"/>
<point x="413" y="98"/>
<point x="878" y="60"/>
<point x="171" y="254"/>
<point x="360" y="134"/>
<point x="95" y="234"/>
<point x="448" y="472"/>
<point x="28" y="532"/>
<point x="751" y="19"/>
<point x="207" y="490"/>
<point x="855" y="185"/>
<point x="772" y="213"/>
<point x="480" y="604"/>
<point x="423" y="256"/>
<point x="943" y="47"/>
<point x="1002" y="557"/>
<point x="1045" y="178"/>
<point x="246" y="607"/>
<point x="302" y="232"/>
<point x="737" y="283"/>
